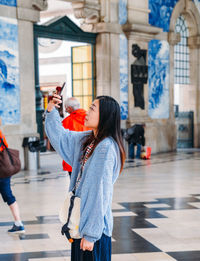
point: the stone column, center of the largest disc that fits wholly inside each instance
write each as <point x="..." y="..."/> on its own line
<point x="159" y="133"/>
<point x="138" y="32"/>
<point x="194" y="45"/>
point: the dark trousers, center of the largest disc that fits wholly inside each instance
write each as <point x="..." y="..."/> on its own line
<point x="6" y="192"/>
<point x="101" y="251"/>
<point x="131" y="150"/>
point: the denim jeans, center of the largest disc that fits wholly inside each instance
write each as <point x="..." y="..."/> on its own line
<point x="6" y="191"/>
<point x="131" y="151"/>
<point x="101" y="251"/>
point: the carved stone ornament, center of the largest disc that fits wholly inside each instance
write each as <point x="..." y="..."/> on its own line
<point x="40" y="5"/>
<point x="194" y="41"/>
<point x="174" y="38"/>
<point x="88" y="11"/>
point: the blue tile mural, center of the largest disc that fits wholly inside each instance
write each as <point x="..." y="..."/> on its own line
<point x="8" y="2"/>
<point x="123" y="54"/>
<point x="9" y="72"/>
<point x="160" y="14"/>
<point x="123" y="50"/>
<point x="123" y="11"/>
<point x="158" y="79"/>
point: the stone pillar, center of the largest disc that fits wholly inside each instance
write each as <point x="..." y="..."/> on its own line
<point x="138" y="32"/>
<point x="159" y="133"/>
<point x="194" y="45"/>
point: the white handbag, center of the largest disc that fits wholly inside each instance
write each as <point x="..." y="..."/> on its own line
<point x="69" y="215"/>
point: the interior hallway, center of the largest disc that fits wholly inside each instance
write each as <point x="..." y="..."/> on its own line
<point x="156" y="208"/>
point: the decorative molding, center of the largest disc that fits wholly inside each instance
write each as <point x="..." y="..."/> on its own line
<point x="141" y="28"/>
<point x="142" y="10"/>
<point x="28" y="14"/>
<point x="8" y="11"/>
<point x="113" y="28"/>
<point x="40" y="5"/>
<point x="63" y="29"/>
<point x="88" y="11"/>
<point x="194" y="42"/>
<point x="173" y="38"/>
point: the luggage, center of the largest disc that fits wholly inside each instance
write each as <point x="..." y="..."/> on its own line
<point x="146" y="153"/>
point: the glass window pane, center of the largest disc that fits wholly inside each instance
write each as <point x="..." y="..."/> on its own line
<point x="77" y="71"/>
<point x="80" y="99"/>
<point x="83" y="78"/>
<point x="82" y="54"/>
<point x="87" y="87"/>
<point x="77" y="88"/>
<point x="181" y="53"/>
<point x="87" y="71"/>
<point x="87" y="100"/>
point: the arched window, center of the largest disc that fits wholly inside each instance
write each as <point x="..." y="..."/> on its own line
<point x="182" y="54"/>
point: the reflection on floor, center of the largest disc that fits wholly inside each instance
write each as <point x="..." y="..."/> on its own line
<point x="156" y="209"/>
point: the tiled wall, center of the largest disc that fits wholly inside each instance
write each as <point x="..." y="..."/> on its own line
<point x="9" y="72"/>
<point x="158" y="79"/>
<point x="161" y="11"/>
<point x="123" y="54"/>
<point x="8" y="2"/>
<point x="158" y="60"/>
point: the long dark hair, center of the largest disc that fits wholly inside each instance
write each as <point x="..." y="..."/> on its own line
<point x="109" y="126"/>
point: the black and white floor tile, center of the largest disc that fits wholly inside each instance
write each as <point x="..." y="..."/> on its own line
<point x="156" y="209"/>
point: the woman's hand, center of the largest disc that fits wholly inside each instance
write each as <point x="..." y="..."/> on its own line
<point x="54" y="103"/>
<point x="86" y="245"/>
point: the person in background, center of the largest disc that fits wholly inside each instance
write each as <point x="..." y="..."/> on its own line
<point x="8" y="197"/>
<point x="74" y="122"/>
<point x="135" y="137"/>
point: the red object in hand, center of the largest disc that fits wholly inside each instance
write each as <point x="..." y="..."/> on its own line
<point x="58" y="90"/>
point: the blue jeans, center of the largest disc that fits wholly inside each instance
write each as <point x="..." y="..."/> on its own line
<point x="6" y="191"/>
<point x="101" y="251"/>
<point x="131" y="151"/>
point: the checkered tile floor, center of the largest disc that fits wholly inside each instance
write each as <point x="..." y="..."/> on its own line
<point x="156" y="209"/>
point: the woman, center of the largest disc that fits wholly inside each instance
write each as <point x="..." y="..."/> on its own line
<point x="101" y="153"/>
<point x="6" y="193"/>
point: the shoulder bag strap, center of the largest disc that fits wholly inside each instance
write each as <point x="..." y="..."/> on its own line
<point x="2" y="143"/>
<point x="83" y="161"/>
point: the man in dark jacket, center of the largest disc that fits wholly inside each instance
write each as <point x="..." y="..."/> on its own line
<point x="135" y="136"/>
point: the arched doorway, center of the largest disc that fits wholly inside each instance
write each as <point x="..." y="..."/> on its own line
<point x="60" y="29"/>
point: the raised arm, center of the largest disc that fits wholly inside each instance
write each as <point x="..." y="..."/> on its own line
<point x="63" y="141"/>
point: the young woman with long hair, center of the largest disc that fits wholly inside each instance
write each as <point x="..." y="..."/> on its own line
<point x="100" y="155"/>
